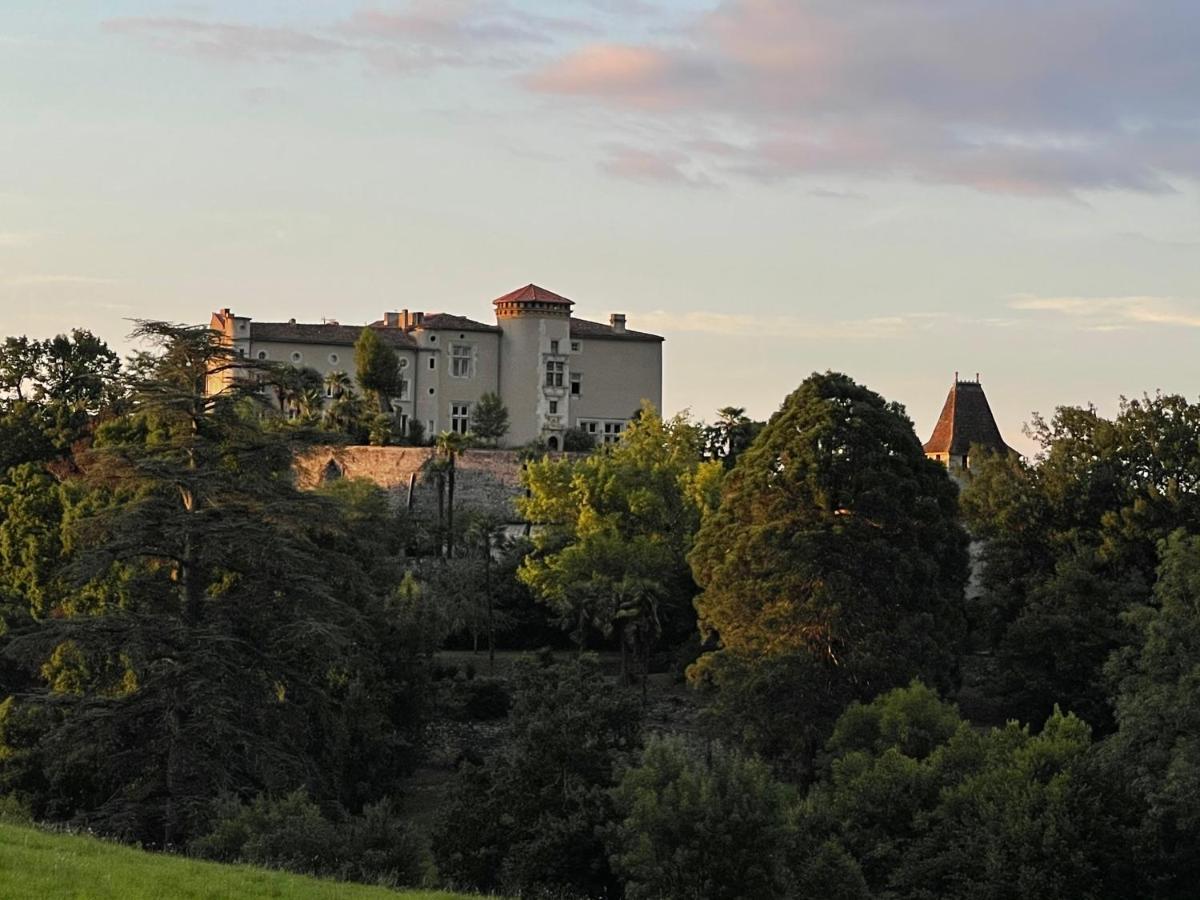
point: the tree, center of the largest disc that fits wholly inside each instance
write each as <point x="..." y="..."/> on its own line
<point x="378" y="368"/>
<point x="687" y="828"/>
<point x="531" y="819"/>
<point x="247" y="649"/>
<point x="489" y="418"/>
<point x="450" y="444"/>
<point x="732" y="433"/>
<point x="1156" y="750"/>
<point x="78" y="370"/>
<point x="929" y="806"/>
<point x="1071" y="543"/>
<point x="835" y="557"/>
<point x="18" y="366"/>
<point x="615" y="528"/>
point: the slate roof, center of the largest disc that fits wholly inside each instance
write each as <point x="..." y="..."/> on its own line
<point x="582" y="328"/>
<point x="449" y="322"/>
<point x="338" y="335"/>
<point x="966" y="419"/>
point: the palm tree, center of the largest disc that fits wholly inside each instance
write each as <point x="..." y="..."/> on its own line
<point x="449" y="445"/>
<point x="337" y="383"/>
<point x="636" y="601"/>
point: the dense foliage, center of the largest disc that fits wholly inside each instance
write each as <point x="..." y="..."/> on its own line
<point x="614" y="531"/>
<point x="532" y="817"/>
<point x="832" y="570"/>
<point x="196" y="655"/>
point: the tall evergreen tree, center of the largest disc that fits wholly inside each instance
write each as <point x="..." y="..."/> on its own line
<point x="833" y="569"/>
<point x="240" y="623"/>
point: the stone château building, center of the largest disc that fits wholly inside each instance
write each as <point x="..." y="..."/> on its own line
<point x="552" y="370"/>
<point x="966" y="421"/>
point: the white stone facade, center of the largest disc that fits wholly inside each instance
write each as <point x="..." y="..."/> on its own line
<point x="552" y="370"/>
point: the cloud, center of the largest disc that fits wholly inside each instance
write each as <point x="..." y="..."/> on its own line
<point x="35" y="280"/>
<point x="16" y="238"/>
<point x="787" y="327"/>
<point x="226" y="41"/>
<point x="651" y="166"/>
<point x="417" y="36"/>
<point x="1116" y="313"/>
<point x="1004" y="96"/>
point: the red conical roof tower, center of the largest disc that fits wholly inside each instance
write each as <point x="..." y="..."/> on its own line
<point x="966" y="420"/>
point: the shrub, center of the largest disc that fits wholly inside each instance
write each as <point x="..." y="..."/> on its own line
<point x="576" y="440"/>
<point x="291" y="833"/>
<point x="690" y="829"/>
<point x="284" y="833"/>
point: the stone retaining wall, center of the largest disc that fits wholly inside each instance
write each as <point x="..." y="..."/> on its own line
<point x="485" y="479"/>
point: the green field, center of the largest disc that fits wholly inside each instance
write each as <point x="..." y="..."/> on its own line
<point x="35" y="864"/>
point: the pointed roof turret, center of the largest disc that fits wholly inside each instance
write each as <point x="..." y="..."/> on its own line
<point x="966" y="419"/>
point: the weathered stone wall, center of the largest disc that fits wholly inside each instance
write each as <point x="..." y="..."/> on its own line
<point x="485" y="479"/>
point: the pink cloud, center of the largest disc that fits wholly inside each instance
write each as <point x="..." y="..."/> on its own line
<point x="639" y="76"/>
<point x="1008" y="96"/>
<point x="636" y="164"/>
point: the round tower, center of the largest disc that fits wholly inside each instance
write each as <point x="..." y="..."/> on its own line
<point x="535" y="375"/>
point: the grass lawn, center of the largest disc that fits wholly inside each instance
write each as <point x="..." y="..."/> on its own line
<point x="36" y="864"/>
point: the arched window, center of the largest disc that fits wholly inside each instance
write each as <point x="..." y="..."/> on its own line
<point x="552" y="443"/>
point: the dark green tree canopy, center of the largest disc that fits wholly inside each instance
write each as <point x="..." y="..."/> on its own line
<point x="836" y="538"/>
<point x="378" y="367"/>
<point x="489" y="418"/>
<point x="833" y="569"/>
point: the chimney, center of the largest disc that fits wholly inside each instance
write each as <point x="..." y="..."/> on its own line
<point x="391" y="320"/>
<point x="617" y="321"/>
<point x="405" y="319"/>
<point x="418" y="319"/>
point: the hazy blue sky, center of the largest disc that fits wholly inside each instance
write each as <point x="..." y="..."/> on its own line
<point x="897" y="189"/>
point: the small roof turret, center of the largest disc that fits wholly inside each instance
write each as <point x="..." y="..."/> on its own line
<point x="534" y="300"/>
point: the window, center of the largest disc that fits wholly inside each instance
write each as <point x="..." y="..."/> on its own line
<point x="404" y="363"/>
<point x="460" y="417"/>
<point x="574" y="346"/>
<point x="576" y="384"/>
<point x="554" y="373"/>
<point x="403" y="389"/>
<point x="612" y="432"/>
<point x="432" y="362"/>
<point x="242" y="352"/>
<point x="431" y="390"/>
<point x="262" y="354"/>
<point x="333" y="359"/>
<point x="296" y="357"/>
<point x="433" y="339"/>
<point x="460" y="360"/>
<point x="589" y="427"/>
<point x="554" y="346"/>
<point x="554" y="407"/>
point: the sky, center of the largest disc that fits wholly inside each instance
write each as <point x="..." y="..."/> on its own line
<point x="896" y="189"/>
